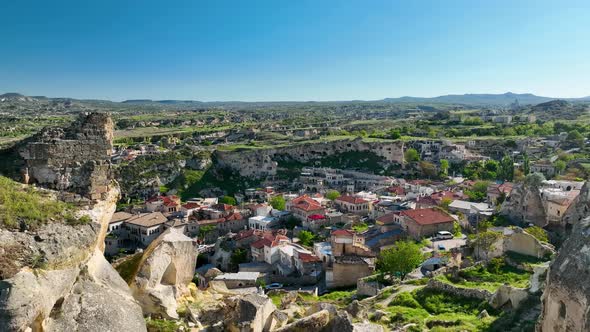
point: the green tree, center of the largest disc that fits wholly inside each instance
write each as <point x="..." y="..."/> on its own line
<point x="278" y="202"/>
<point x="428" y="169"/>
<point x="526" y="164"/>
<point x="411" y="155"/>
<point x="332" y="194"/>
<point x="560" y="166"/>
<point x="534" y="180"/>
<point x="238" y="257"/>
<point x="444" y="167"/>
<point x="228" y="200"/>
<point x="507" y="169"/>
<point x="478" y="191"/>
<point x="445" y="202"/>
<point x="306" y="238"/>
<point x="457" y="229"/>
<point x="395" y="134"/>
<point x="400" y="259"/>
<point x="538" y="232"/>
<point x="204" y="230"/>
<point x="575" y="137"/>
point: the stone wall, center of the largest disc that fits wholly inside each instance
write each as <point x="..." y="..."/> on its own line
<point x="476" y="293"/>
<point x="75" y="159"/>
<point x="523" y="243"/>
<point x="367" y="287"/>
<point x="566" y="298"/>
<point x="263" y="162"/>
<point x="347" y="270"/>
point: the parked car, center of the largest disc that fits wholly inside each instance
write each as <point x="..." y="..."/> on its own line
<point x="441" y="247"/>
<point x="274" y="285"/>
<point x="443" y="235"/>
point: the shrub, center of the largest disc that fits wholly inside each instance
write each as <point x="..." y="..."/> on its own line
<point x="405" y="299"/>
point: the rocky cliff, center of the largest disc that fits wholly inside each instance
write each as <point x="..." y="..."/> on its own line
<point x="263" y="162"/>
<point x="164" y="273"/>
<point x="579" y="208"/>
<point x="525" y="205"/>
<point x="566" y="299"/>
<point x="59" y="279"/>
<point x="74" y="287"/>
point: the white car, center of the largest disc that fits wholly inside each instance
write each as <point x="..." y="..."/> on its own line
<point x="443" y="235"/>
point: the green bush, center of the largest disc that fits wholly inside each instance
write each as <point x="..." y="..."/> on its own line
<point x="405" y="299"/>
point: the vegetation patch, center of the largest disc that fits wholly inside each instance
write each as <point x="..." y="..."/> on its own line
<point x="489" y="277"/>
<point x="128" y="268"/>
<point x="438" y="311"/>
<point x="27" y="207"/>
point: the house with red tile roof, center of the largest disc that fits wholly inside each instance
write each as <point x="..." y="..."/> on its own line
<point x="304" y="206"/>
<point x="163" y="204"/>
<point x="425" y="222"/>
<point x="266" y="249"/>
<point x="353" y="204"/>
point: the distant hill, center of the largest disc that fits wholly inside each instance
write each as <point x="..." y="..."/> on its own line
<point x="475" y="99"/>
<point x="504" y="99"/>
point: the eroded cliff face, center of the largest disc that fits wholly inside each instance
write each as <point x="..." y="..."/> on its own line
<point x="59" y="279"/>
<point x="566" y="299"/>
<point x="74" y="288"/>
<point x="525" y="205"/>
<point x="164" y="273"/>
<point x="579" y="208"/>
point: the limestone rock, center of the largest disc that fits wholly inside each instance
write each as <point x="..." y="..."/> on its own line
<point x="525" y="205"/>
<point x="508" y="296"/>
<point x="566" y="298"/>
<point x="483" y="314"/>
<point x="165" y="270"/>
<point x="367" y="327"/>
<point x="579" y="208"/>
<point x="77" y="289"/>
<point x="315" y="322"/>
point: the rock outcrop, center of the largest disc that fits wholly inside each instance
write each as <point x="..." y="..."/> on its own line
<point x="73" y="288"/>
<point x="566" y="299"/>
<point x="164" y="272"/>
<point x="525" y="205"/>
<point x="65" y="283"/>
<point x="74" y="160"/>
<point x="263" y="162"/>
<point x="580" y="207"/>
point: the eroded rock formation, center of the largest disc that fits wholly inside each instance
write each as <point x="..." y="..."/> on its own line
<point x="525" y="205"/>
<point x="263" y="162"/>
<point x="74" y="160"/>
<point x="566" y="299"/>
<point x="164" y="272"/>
<point x="74" y="288"/>
<point x="60" y="279"/>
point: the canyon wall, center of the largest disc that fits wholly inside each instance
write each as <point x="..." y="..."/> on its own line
<point x="260" y="163"/>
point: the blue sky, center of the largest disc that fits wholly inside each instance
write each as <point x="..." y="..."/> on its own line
<point x="293" y="50"/>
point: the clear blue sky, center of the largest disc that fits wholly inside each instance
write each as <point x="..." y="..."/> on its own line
<point x="293" y="50"/>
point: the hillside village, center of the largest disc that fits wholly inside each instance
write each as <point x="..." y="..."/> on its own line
<point x="371" y="235"/>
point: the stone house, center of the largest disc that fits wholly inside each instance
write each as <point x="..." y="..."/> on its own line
<point x="267" y="248"/>
<point x="143" y="228"/>
<point x="304" y="206"/>
<point x="544" y="167"/>
<point x="353" y="204"/>
<point x="238" y="280"/>
<point x="352" y="260"/>
<point x="424" y="222"/>
<point x="163" y="204"/>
